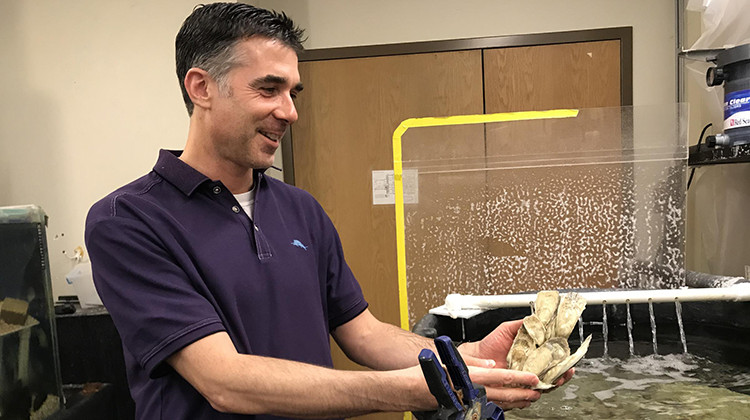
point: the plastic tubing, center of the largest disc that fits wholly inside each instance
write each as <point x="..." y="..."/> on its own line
<point x="737" y="292"/>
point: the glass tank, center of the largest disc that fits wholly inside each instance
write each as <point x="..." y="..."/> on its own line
<point x="30" y="384"/>
<point x="589" y="198"/>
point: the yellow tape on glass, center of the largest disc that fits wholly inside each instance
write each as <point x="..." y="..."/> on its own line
<point x="398" y="176"/>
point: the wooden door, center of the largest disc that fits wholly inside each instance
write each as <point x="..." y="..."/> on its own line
<point x="574" y="75"/>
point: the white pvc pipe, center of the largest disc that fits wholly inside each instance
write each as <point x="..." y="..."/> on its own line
<point x="737" y="292"/>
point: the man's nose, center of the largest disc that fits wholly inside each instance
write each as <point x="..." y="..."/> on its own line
<point x="287" y="111"/>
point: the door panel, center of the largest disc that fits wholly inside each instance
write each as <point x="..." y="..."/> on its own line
<point x="576" y="75"/>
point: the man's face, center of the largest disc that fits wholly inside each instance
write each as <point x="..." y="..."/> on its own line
<point x="250" y="117"/>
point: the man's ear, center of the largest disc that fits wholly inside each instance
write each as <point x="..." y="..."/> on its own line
<point x="197" y="82"/>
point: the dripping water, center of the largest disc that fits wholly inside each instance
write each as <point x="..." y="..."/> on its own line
<point x="580" y="328"/>
<point x="630" y="329"/>
<point x="678" y="310"/>
<point x="653" y="323"/>
<point x="605" y="331"/>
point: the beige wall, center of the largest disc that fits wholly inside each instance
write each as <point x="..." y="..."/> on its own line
<point x="90" y="93"/>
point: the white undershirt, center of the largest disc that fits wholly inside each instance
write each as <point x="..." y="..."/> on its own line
<point x="247" y="201"/>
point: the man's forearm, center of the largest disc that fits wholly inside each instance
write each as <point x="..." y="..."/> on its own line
<point x="294" y="389"/>
<point x="379" y="345"/>
<point x="247" y="384"/>
<point x="396" y="348"/>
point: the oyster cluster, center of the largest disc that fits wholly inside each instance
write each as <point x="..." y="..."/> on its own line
<point x="541" y="346"/>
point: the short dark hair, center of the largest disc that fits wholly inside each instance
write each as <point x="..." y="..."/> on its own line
<point x="207" y="38"/>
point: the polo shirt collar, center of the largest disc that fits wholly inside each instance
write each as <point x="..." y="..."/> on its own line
<point x="177" y="172"/>
<point x="183" y="176"/>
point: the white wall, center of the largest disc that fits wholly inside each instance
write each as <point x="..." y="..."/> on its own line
<point x="89" y="91"/>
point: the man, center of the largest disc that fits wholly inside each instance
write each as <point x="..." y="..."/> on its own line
<point x="225" y="284"/>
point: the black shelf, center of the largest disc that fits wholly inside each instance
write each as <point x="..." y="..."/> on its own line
<point x="91" y="352"/>
<point x="704" y="155"/>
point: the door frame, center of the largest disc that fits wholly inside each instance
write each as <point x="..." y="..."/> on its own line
<point x="624" y="34"/>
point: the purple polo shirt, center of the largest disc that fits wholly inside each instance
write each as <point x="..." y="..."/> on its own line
<point x="175" y="258"/>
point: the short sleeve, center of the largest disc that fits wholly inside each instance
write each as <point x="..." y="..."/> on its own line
<point x="155" y="306"/>
<point x="345" y="298"/>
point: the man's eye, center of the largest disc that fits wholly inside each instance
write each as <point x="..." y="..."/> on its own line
<point x="268" y="90"/>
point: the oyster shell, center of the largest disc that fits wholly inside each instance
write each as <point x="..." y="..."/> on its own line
<point x="550" y="329"/>
<point x="535" y="328"/>
<point x="545" y="305"/>
<point x="541" y="345"/>
<point x="570" y="309"/>
<point x="522" y="345"/>
<point x="546" y="356"/>
<point x="552" y="375"/>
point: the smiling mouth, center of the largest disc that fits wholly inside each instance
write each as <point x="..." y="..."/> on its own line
<point x="273" y="137"/>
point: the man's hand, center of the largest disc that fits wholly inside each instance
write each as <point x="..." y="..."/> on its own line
<point x="505" y="387"/>
<point x="496" y="345"/>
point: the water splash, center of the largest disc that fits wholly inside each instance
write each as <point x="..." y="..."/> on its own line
<point x="507" y="231"/>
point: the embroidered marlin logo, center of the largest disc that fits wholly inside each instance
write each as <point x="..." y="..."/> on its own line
<point x="299" y="244"/>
